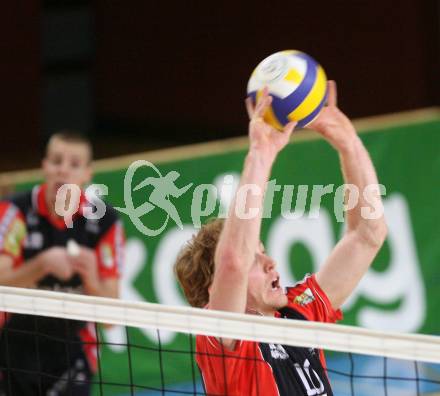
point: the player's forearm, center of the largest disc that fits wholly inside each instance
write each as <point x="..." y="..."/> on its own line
<point x="241" y="232"/>
<point x="27" y="275"/>
<point x="103" y="288"/>
<point x="358" y="170"/>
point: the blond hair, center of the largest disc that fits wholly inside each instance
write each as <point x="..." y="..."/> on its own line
<point x="194" y="266"/>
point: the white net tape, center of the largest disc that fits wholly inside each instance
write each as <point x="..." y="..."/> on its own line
<point x="221" y="324"/>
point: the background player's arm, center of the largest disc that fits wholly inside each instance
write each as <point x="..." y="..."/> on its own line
<point x="240" y="237"/>
<point x="363" y="238"/>
<point x="53" y="261"/>
<point x="24" y="276"/>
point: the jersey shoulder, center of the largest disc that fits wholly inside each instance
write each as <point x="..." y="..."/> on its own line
<point x="310" y="301"/>
<point x="21" y="200"/>
<point x="13" y="229"/>
<point x="111" y="216"/>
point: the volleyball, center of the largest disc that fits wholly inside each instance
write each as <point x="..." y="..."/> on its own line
<point x="297" y="84"/>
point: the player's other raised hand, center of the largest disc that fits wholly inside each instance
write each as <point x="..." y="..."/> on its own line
<point x="332" y="123"/>
<point x="263" y="136"/>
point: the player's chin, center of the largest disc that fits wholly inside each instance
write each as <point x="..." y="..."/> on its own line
<point x="277" y="299"/>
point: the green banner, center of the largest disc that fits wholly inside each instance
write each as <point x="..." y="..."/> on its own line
<point x="399" y="292"/>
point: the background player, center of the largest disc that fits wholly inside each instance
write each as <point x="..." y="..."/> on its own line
<point x="33" y="253"/>
<point x="226" y="268"/>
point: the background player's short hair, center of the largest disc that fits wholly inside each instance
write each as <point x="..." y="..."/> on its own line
<point x="71" y="136"/>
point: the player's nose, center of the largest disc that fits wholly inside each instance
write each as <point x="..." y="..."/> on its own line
<point x="63" y="169"/>
<point x="269" y="264"/>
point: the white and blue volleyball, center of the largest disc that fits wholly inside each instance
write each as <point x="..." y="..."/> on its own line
<point x="297" y="84"/>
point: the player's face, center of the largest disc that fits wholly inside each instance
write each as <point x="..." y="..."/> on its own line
<point x="66" y="163"/>
<point x="265" y="293"/>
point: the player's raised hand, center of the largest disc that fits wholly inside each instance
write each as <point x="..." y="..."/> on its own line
<point x="263" y="136"/>
<point x="332" y="123"/>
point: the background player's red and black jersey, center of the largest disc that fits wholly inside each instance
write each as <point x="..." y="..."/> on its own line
<point x="253" y="369"/>
<point x="26" y="229"/>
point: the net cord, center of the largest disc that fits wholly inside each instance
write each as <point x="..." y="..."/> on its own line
<point x="335" y="337"/>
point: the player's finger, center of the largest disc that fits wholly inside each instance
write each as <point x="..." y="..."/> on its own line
<point x="262" y="106"/>
<point x="332" y="93"/>
<point x="79" y="270"/>
<point x="77" y="265"/>
<point x="260" y="99"/>
<point x="249" y="107"/>
<point x="288" y="128"/>
<point x="261" y="95"/>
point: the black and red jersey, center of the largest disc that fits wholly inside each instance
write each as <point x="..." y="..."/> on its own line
<point x="26" y="229"/>
<point x="260" y="369"/>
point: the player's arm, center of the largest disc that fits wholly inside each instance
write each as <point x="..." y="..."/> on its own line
<point x="24" y="276"/>
<point x="13" y="270"/>
<point x="239" y="239"/>
<point x="354" y="253"/>
<point x="53" y="261"/>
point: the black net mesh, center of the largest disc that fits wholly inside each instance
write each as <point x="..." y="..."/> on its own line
<point x="56" y="356"/>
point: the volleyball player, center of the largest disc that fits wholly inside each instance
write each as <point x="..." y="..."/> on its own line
<point x="226" y="268"/>
<point x="44" y="356"/>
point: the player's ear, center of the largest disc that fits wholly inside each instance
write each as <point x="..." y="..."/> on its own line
<point x="88" y="175"/>
<point x="44" y="164"/>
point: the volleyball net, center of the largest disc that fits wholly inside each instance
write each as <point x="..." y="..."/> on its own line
<point x="359" y="361"/>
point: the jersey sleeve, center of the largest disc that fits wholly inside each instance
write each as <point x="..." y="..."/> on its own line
<point x="307" y="298"/>
<point x="12" y="232"/>
<point x="110" y="251"/>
